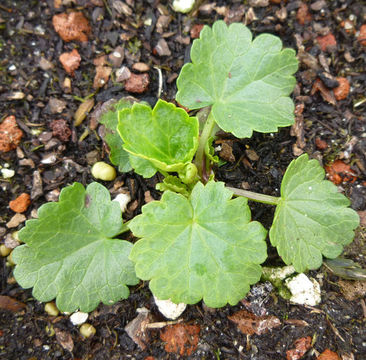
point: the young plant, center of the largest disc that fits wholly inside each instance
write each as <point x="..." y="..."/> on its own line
<point x="198" y="241"/>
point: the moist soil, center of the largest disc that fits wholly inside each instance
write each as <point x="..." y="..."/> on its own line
<point x="327" y="129"/>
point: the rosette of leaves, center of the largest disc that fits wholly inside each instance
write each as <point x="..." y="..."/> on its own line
<point x="71" y="252"/>
<point x="200" y="247"/>
<point x="247" y="82"/>
<point x="164" y="138"/>
<point x="312" y="219"/>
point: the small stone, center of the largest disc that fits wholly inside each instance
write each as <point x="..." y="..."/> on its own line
<point x="21" y="203"/>
<point x="141" y="67"/>
<point x="44" y="64"/>
<point x="162" y="48"/>
<point x="37" y="188"/>
<point x="123" y="74"/>
<point x="196" y="30"/>
<point x="304" y="291"/>
<point x="53" y="195"/>
<point x="15" y="220"/>
<point x="70" y="61"/>
<point x="259" y="3"/>
<point x="122" y="8"/>
<point x="66" y="85"/>
<point x="72" y="26"/>
<point x="49" y="159"/>
<point x="10" y="134"/>
<point x="303" y="15"/>
<point x="162" y="23"/>
<point x="137" y="84"/>
<point x="169" y="309"/>
<point x="102" y="76"/>
<point x="327" y="42"/>
<point x="56" y="106"/>
<point x="320" y="144"/>
<point x="116" y="57"/>
<point x="341" y="92"/>
<point x="78" y="318"/>
<point x="361" y="38"/>
<point x="318" y="5"/>
<point x="329" y="81"/>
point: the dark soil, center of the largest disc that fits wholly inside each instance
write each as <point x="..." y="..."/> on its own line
<point x="27" y="34"/>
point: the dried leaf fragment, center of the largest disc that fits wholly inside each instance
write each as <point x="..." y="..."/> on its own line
<point x="64" y="339"/>
<point x="10" y="134"/>
<point x="302" y="345"/>
<point x="83" y="111"/>
<point x="136" y="329"/>
<point x="326" y="94"/>
<point x="181" y="338"/>
<point x="11" y="304"/>
<point x="250" y="324"/>
<point x="72" y="26"/>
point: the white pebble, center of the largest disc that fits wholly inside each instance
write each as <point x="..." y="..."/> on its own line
<point x="7" y="173"/>
<point x="304" y="291"/>
<point x="78" y="318"/>
<point x="183" y="6"/>
<point x="123" y="200"/>
<point x="169" y="309"/>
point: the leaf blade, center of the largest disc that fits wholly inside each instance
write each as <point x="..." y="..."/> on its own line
<point x="321" y="222"/>
<point x="191" y="250"/>
<point x="70" y="253"/>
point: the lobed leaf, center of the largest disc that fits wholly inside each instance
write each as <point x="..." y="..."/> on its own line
<point x="118" y="156"/>
<point x="70" y="252"/>
<point x="165" y="137"/>
<point x="312" y="219"/>
<point x="201" y="247"/>
<point x="246" y="82"/>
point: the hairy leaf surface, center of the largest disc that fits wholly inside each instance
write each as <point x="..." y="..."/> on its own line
<point x="246" y="82"/>
<point x="70" y="252"/>
<point x="201" y="247"/>
<point x="164" y="136"/>
<point x="312" y="219"/>
<point x="118" y="155"/>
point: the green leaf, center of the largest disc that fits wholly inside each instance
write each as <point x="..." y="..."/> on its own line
<point x="173" y="183"/>
<point x="246" y="82"/>
<point x="118" y="156"/>
<point x="71" y="253"/>
<point x="312" y="219"/>
<point x="201" y="247"/>
<point x="165" y="136"/>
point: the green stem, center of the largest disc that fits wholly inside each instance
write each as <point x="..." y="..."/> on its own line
<point x="265" y="199"/>
<point x="208" y="128"/>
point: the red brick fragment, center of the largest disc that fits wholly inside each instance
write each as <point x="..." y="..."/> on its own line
<point x="328" y="355"/>
<point x="181" y="338"/>
<point x="339" y="172"/>
<point x="327" y="42"/>
<point x="21" y="203"/>
<point x="362" y="35"/>
<point x="10" y="134"/>
<point x="70" y="61"/>
<point x="137" y="83"/>
<point x="60" y="129"/>
<point x="303" y="15"/>
<point x="301" y="347"/>
<point x="72" y="26"/>
<point x="320" y="144"/>
<point x="196" y="30"/>
<point x="342" y="90"/>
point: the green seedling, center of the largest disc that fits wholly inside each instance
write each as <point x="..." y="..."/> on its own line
<point x="198" y="241"/>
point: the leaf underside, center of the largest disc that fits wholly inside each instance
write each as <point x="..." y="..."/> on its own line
<point x="118" y="156"/>
<point x="70" y="252"/>
<point x="164" y="138"/>
<point x="312" y="219"/>
<point x="201" y="247"/>
<point x="247" y="82"/>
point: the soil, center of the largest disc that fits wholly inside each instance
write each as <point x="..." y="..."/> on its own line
<point x="327" y="129"/>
